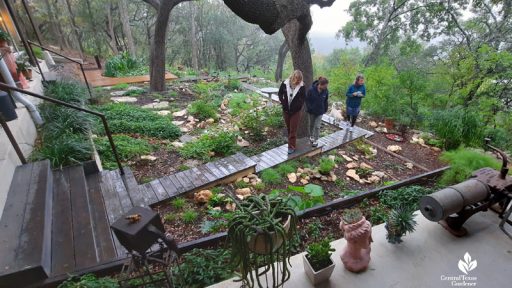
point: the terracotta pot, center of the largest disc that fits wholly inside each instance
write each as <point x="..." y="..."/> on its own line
<point x="389" y="123"/>
<point x="316" y="277"/>
<point x="27" y="73"/>
<point x="356" y="255"/>
<point x="4" y="43"/>
<point x="259" y="245"/>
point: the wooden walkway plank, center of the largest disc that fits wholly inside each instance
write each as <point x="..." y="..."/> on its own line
<point x="132" y="188"/>
<point x="159" y="190"/>
<point x="204" y="180"/>
<point x="110" y="197"/>
<point x="224" y="171"/>
<point x="120" y="188"/>
<point x="226" y="163"/>
<point x="148" y="192"/>
<point x="184" y="179"/>
<point x="169" y="186"/>
<point x="207" y="173"/>
<point x="177" y="183"/>
<point x="84" y="247"/>
<point x="217" y="172"/>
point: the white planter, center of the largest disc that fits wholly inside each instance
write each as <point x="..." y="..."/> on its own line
<point x="317" y="277"/>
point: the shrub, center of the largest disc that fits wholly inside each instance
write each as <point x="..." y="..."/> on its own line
<point x="67" y="91"/>
<point x="378" y="214"/>
<point x="233" y="84"/>
<point x="169" y="217"/>
<point x="456" y="127"/>
<point x="89" y="281"/>
<point x="270" y="176"/>
<point x="203" y="110"/>
<point x="326" y="166"/>
<point x="121" y="65"/>
<point x="251" y="121"/>
<point x="500" y="138"/>
<point x="130" y="119"/>
<point x="273" y="116"/>
<point x="241" y="184"/>
<point x="463" y="162"/>
<point x="134" y="92"/>
<point x="406" y="197"/>
<point x="221" y="144"/>
<point x="286" y="168"/>
<point x="61" y="120"/>
<point x="189" y="216"/>
<point x="178" y="203"/>
<point x="68" y="149"/>
<point x="202" y="268"/>
<point x="121" y="86"/>
<point x="127" y="149"/>
<point x="38" y="52"/>
<point x="204" y="88"/>
<point x="240" y="102"/>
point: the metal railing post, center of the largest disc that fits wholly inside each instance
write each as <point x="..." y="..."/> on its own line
<point x="85" y="110"/>
<point x="15" y="145"/>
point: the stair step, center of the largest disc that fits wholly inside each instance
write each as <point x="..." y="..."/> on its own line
<point x="25" y="238"/>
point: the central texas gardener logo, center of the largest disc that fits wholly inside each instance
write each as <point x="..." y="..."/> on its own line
<point x="467" y="264"/>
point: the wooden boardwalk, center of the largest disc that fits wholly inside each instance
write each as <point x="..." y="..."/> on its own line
<point x="96" y="79"/>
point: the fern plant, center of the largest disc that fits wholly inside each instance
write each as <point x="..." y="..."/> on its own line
<point x="400" y="221"/>
<point x="260" y="217"/>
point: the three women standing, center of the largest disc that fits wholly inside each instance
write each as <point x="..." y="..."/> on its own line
<point x="291" y="95"/>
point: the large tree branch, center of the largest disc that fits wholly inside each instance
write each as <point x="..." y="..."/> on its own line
<point x="154" y="3"/>
<point x="321" y="3"/>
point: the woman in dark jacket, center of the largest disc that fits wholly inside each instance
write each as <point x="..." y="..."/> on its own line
<point x="317" y="104"/>
<point x="291" y="95"/>
<point x="355" y="94"/>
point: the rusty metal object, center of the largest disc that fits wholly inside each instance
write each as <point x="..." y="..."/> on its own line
<point x="454" y="205"/>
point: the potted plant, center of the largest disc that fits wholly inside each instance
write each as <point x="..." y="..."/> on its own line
<point x="318" y="264"/>
<point x="400" y="221"/>
<point x="24" y="68"/>
<point x="4" y="38"/>
<point x="259" y="234"/>
<point x="357" y="231"/>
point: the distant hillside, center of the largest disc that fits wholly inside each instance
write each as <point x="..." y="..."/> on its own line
<point x="325" y="44"/>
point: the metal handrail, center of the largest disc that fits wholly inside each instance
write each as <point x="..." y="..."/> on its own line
<point x="61" y="55"/>
<point x="55" y="101"/>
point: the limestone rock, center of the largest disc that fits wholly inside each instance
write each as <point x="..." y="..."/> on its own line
<point x="381" y="129"/>
<point x="246" y="180"/>
<point x="148" y="157"/>
<point x="252" y="176"/>
<point x="184" y="129"/>
<point x="159" y="105"/>
<point x="177" y="144"/>
<point x="379" y="174"/>
<point x="394" y="148"/>
<point x="373" y="179"/>
<point x="243" y="193"/>
<point x="123" y="99"/>
<point x="332" y="157"/>
<point x="347" y="158"/>
<point x="231" y="207"/>
<point x="304" y="181"/>
<point x="180" y="113"/>
<point x="373" y="124"/>
<point x="210" y="121"/>
<point x="352" y="165"/>
<point x="365" y="166"/>
<point x="163" y="112"/>
<point x="409" y="165"/>
<point x="118" y="93"/>
<point x="242" y="142"/>
<point x="300" y="170"/>
<point x="353" y="174"/>
<point x="203" y="196"/>
<point x="178" y="123"/>
<point x="292" y="177"/>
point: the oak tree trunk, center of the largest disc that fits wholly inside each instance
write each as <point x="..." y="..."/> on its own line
<point x="53" y="25"/>
<point x="157" y="62"/>
<point x="111" y="32"/>
<point x="281" y="57"/>
<point x="74" y="27"/>
<point x="193" y="36"/>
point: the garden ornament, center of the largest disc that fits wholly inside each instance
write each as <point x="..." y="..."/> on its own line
<point x="358" y="235"/>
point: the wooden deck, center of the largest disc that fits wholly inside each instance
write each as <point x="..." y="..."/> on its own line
<point x="96" y="79"/>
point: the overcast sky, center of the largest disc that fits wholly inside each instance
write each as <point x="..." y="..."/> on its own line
<point x="327" y="21"/>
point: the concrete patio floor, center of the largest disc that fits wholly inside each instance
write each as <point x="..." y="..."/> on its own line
<point x="424" y="258"/>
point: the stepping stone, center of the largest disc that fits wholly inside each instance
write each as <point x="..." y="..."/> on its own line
<point x="163" y="112"/>
<point x="118" y="93"/>
<point x="158" y="105"/>
<point x="123" y="99"/>
<point x="187" y="138"/>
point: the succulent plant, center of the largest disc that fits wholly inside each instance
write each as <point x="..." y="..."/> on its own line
<point x="351" y="216"/>
<point x="400" y="221"/>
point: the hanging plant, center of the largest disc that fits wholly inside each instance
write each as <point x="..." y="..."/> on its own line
<point x="259" y="235"/>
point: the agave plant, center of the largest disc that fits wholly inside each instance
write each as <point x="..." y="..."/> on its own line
<point x="400" y="221"/>
<point x="262" y="218"/>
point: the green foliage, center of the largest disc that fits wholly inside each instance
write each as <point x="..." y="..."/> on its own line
<point x="310" y="196"/>
<point x="131" y="119"/>
<point x="364" y="171"/>
<point x="233" y="84"/>
<point x="4" y="35"/>
<point x="205" y="88"/>
<point x="221" y="144"/>
<point x="134" y="92"/>
<point x="178" y="203"/>
<point x="189" y="216"/>
<point x="213" y="226"/>
<point x="378" y="214"/>
<point x="259" y="186"/>
<point x="340" y="183"/>
<point x="203" y="110"/>
<point x="183" y="167"/>
<point x="261" y="215"/>
<point x="326" y="165"/>
<point x="286" y="168"/>
<point x="240" y="102"/>
<point x="127" y="148"/>
<point x="463" y="162"/>
<point x="169" y="217"/>
<point x="319" y="254"/>
<point x="363" y="147"/>
<point x="121" y="86"/>
<point x="457" y="127"/>
<point x="122" y="65"/>
<point x="241" y="184"/>
<point x="406" y="197"/>
<point x="38" y="52"/>
<point x="270" y="177"/>
<point x="273" y="116"/>
<point x="67" y="91"/>
<point x="202" y="268"/>
<point x="400" y="221"/>
<point x="251" y="121"/>
<point x="68" y="150"/>
<point x="89" y="281"/>
<point x="351" y="216"/>
<point x="315" y="229"/>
